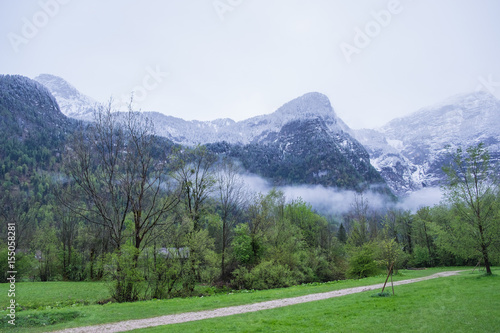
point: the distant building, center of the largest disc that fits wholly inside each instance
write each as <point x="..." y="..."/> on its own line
<point x="174" y="252"/>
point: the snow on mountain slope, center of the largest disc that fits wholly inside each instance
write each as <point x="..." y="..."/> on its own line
<point x="410" y="151"/>
<point x="71" y="102"/>
<point x="257" y="129"/>
<point x="253" y="130"/>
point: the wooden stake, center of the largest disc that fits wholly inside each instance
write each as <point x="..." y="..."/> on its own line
<point x="392" y="285"/>
<point x="390" y="270"/>
<point x="478" y="263"/>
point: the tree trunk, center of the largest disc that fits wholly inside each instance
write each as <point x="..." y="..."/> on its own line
<point x="223" y="273"/>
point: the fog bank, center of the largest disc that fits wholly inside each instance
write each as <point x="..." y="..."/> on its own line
<point x="329" y="200"/>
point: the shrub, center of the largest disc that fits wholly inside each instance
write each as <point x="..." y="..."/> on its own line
<point x="266" y="275"/>
<point x="420" y="257"/>
<point x="362" y="263"/>
<point x="125" y="276"/>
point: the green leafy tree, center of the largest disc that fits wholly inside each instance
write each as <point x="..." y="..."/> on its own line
<point x="472" y="191"/>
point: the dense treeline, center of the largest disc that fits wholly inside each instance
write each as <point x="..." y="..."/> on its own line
<point x="114" y="202"/>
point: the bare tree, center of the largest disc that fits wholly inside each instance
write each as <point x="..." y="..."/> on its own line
<point x="230" y="195"/>
<point x="196" y="176"/>
<point x="112" y="166"/>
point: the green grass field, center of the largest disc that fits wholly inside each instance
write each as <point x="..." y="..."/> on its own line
<point x="459" y="303"/>
<point x="466" y="303"/>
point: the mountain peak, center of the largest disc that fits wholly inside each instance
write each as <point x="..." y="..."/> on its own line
<point x="309" y="105"/>
<point x="72" y="103"/>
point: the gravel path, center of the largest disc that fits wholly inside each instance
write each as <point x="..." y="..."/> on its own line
<point x="222" y="312"/>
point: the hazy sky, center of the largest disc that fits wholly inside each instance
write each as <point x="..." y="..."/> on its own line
<point x="206" y="59"/>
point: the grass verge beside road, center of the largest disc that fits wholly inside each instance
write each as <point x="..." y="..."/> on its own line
<point x="79" y="315"/>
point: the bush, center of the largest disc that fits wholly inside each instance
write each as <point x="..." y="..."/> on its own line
<point x="362" y="263"/>
<point x="125" y="276"/>
<point x="266" y="275"/>
<point x="420" y="257"/>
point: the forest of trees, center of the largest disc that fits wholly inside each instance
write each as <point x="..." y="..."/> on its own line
<point x="157" y="220"/>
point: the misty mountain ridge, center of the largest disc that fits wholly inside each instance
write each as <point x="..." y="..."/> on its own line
<point x="302" y="143"/>
<point x="256" y="129"/>
<point x="408" y="151"/>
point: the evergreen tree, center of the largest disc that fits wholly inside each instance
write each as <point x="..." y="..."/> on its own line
<point x="342" y="234"/>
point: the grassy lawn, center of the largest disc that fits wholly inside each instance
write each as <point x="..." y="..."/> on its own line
<point x="465" y="303"/>
<point x="75" y="314"/>
<point x="42" y="295"/>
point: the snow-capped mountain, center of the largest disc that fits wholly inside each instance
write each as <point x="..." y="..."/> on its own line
<point x="71" y="102"/>
<point x="309" y="106"/>
<point x="303" y="142"/>
<point x="307" y="151"/>
<point x="410" y="151"/>
<point x="257" y="129"/>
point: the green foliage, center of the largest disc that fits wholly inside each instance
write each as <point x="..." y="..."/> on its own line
<point x="266" y="275"/>
<point x="342" y="234"/>
<point x="472" y="230"/>
<point x="23" y="264"/>
<point x="313" y="227"/>
<point x="243" y="245"/>
<point x="125" y="277"/>
<point x="362" y="262"/>
<point x="202" y="261"/>
<point x="389" y="252"/>
<point x="420" y="257"/>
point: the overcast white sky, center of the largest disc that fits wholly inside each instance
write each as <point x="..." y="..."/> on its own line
<point x="241" y="58"/>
